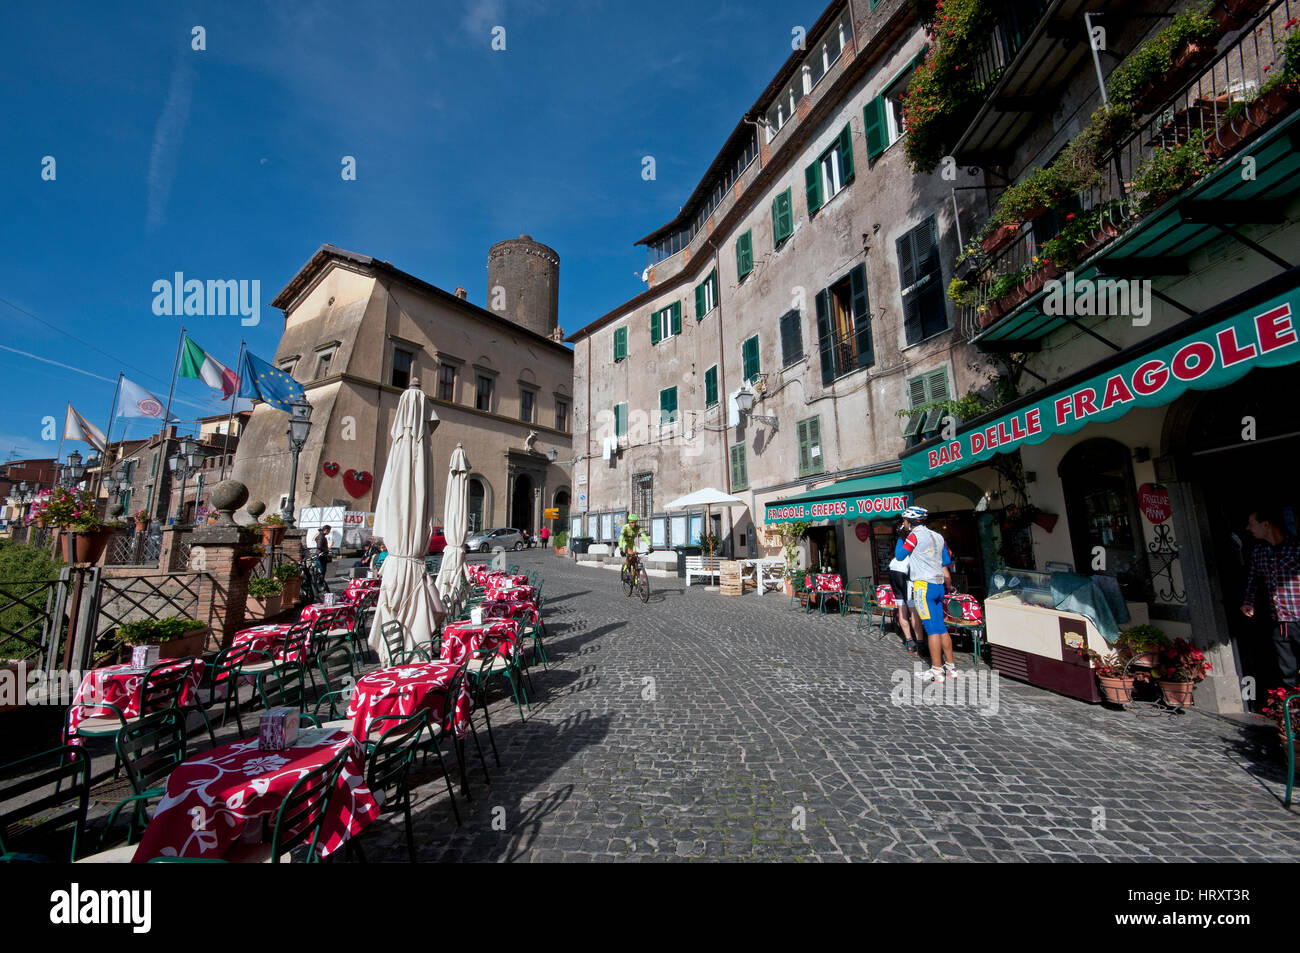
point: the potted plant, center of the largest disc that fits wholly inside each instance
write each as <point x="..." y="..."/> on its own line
<point x="1167" y="172"/>
<point x="264" y="597"/>
<point x="176" y="636"/>
<point x="790" y="534"/>
<point x="76" y="512"/>
<point x="141" y="517"/>
<point x="560" y="541"/>
<point x="1274" y="708"/>
<point x="290" y="577"/>
<point x="1180" y="666"/>
<point x="273" y="530"/>
<point x="1142" y="643"/>
<point x="1110" y="669"/>
<point x="1166" y="61"/>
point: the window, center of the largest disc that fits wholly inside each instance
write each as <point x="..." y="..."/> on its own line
<point x="706" y="295"/>
<point x="620" y="419"/>
<point x="620" y="343"/>
<point x="447" y="382"/>
<point x="810" y="446"/>
<point x="832" y="171"/>
<point x="483" y="398"/>
<point x="527" y="402"/>
<point x="403" y="361"/>
<point x="883" y="116"/>
<point x="668" y="405"/>
<point x="323" y="359"/>
<point x="643" y="494"/>
<point x="782" y="218"/>
<point x="844" y="326"/>
<point x="711" y="386"/>
<point x="791" y="337"/>
<point x="921" y="279"/>
<point x="666" y="322"/>
<point x="561" y="414"/>
<point x="749" y="358"/>
<point x="927" y="388"/>
<point x="739" y="473"/>
<point x="744" y="255"/>
<point x="288" y="365"/>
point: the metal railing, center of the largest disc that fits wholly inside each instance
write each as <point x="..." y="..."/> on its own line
<point x="1010" y="34"/>
<point x="118" y="600"/>
<point x="133" y="549"/>
<point x="844" y="352"/>
<point x="31" y="618"/>
<point x="1217" y="106"/>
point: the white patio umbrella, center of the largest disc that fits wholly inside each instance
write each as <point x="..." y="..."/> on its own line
<point x="707" y="498"/>
<point x="455" y="522"/>
<point x="404" y="521"/>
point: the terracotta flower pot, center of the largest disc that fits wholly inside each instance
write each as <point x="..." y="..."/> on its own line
<point x="1047" y="521"/>
<point x="264" y="607"/>
<point x="89" y="545"/>
<point x="999" y="237"/>
<point x="191" y="643"/>
<point x="271" y="535"/>
<point x="40" y="522"/>
<point x="1144" y="660"/>
<point x="1117" y="689"/>
<point x="292" y="589"/>
<point x="246" y="563"/>
<point x="1177" y="694"/>
<point x="141" y="526"/>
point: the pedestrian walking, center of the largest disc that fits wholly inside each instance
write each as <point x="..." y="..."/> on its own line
<point x="322" y="541"/>
<point x="1275" y="564"/>
<point x="928" y="559"/>
<point x="545" y="535"/>
<point x="908" y="622"/>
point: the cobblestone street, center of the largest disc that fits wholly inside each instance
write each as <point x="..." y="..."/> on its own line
<point x="703" y="727"/>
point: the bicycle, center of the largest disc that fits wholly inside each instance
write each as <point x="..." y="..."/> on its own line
<point x="634" y="577"/>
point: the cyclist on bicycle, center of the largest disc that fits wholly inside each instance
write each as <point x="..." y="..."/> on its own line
<point x="627" y="540"/>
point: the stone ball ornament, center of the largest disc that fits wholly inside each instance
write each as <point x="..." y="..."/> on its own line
<point x="228" y="496"/>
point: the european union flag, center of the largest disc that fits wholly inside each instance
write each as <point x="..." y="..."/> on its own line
<point x="258" y="379"/>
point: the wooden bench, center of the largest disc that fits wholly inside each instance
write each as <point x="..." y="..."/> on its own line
<point x="706" y="566"/>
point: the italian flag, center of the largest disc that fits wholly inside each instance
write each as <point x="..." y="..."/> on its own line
<point x="198" y="363"/>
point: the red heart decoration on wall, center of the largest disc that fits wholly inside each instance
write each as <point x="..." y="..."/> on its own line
<point x="331" y="469"/>
<point x="357" y="483"/>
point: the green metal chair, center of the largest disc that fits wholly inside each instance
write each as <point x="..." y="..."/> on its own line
<point x="221" y="684"/>
<point x="394" y="635"/>
<point x="149" y="749"/>
<point x="42" y="827"/>
<point x="798" y="592"/>
<point x="1289" y="723"/>
<point x="338" y="672"/>
<point x="284" y="687"/>
<point x="301" y="817"/>
<point x="846" y="603"/>
<point x="388" y="767"/>
<point x="485" y="663"/>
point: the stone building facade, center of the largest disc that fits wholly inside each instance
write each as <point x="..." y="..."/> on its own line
<point x="357" y="332"/>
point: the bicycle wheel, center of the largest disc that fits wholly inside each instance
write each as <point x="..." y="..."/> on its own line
<point x="643" y="585"/>
<point x="628" y="581"/>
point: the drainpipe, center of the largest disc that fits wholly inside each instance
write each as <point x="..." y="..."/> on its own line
<point x="722" y="389"/>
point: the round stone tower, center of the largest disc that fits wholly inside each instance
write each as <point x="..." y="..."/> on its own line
<point x="524" y="283"/>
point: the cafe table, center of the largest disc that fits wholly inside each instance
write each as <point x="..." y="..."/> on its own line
<point x="404" y="690"/>
<point x="464" y="637"/>
<point x="506" y="609"/>
<point x="340" y="615"/>
<point x="511" y="593"/>
<point x="229" y="796"/>
<point x="119" y="686"/>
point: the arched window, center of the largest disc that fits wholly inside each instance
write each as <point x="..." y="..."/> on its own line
<point x="476" y="497"/>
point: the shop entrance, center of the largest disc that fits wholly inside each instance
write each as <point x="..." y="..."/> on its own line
<point x="1101" y="506"/>
<point x="1237" y="474"/>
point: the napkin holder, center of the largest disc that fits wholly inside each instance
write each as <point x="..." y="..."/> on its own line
<point x="278" y="729"/>
<point x="476" y="615"/>
<point x="144" y="656"/>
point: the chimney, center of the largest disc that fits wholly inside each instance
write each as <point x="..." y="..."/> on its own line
<point x="461" y="293"/>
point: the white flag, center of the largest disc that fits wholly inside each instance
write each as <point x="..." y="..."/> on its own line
<point x="135" y="401"/>
<point x="77" y="427"/>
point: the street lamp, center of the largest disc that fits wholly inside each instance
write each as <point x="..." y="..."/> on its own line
<point x="299" y="427"/>
<point x="182" y="462"/>
<point x="745" y="404"/>
<point x="74" y="469"/>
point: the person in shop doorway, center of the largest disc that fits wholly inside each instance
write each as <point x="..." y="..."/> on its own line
<point x="899" y="581"/>
<point x="928" y="559"/>
<point x="1275" y="564"/>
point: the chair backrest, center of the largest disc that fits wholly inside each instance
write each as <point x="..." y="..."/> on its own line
<point x="303" y="813"/>
<point x="162" y="686"/>
<point x="885" y="596"/>
<point x="336" y="665"/>
<point x="226" y="666"/>
<point x="42" y="798"/>
<point x="394" y="635"/>
<point x="388" y="765"/>
<point x="281" y="686"/>
<point x="152" y="747"/>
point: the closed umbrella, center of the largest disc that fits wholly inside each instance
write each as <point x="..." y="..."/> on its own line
<point x="455" y="522"/>
<point x="404" y="521"/>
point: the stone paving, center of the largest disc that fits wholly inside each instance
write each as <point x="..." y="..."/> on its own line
<point x="704" y="727"/>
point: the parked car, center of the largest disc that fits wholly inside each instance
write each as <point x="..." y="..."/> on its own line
<point x="490" y="539"/>
<point x="437" y="542"/>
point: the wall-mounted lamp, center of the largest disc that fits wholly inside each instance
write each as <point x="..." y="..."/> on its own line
<point x="745" y="404"/>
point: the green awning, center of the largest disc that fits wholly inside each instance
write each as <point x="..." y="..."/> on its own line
<point x="871" y="497"/>
<point x="1153" y="374"/>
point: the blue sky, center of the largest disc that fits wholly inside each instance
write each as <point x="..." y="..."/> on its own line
<point x="226" y="163"/>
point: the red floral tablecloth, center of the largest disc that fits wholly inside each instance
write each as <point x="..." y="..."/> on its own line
<point x="461" y="639"/>
<point x="404" y="690"/>
<point x="119" y="685"/>
<point x="505" y="609"/>
<point x="340" y="614"/>
<point x="823" y="582"/>
<point x="215" y="799"/>
<point x="512" y="594"/>
<point x="262" y="638"/>
<point x="356" y="588"/>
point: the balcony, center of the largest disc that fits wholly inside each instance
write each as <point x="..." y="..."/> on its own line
<point x="1167" y="190"/>
<point x="845" y="352"/>
<point x="1036" y="48"/>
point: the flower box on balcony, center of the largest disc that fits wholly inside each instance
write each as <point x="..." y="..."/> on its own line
<point x="1000" y="237"/>
<point x="1234" y="14"/>
<point x="1186" y="64"/>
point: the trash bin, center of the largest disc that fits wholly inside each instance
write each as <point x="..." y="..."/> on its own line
<point x="682" y="553"/>
<point x="580" y="544"/>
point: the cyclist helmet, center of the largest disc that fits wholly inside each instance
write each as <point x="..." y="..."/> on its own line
<point x="632" y="518"/>
<point x="916" y="514"/>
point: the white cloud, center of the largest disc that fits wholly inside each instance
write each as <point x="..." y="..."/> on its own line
<point x="164" y="157"/>
<point x="482" y="15"/>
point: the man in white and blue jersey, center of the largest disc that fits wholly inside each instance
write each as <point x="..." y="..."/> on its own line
<point x="928" y="559"/>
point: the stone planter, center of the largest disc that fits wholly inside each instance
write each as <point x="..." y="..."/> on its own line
<point x="1177" y="694"/>
<point x="192" y="643"/>
<point x="292" y="589"/>
<point x="265" y="607"/>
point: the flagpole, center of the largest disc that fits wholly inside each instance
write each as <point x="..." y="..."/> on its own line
<point x="167" y="414"/>
<point x="239" y="366"/>
<point x="103" y="457"/>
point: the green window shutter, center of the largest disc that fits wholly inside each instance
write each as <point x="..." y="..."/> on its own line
<point x="861" y="315"/>
<point x="744" y="255"/>
<point x="656" y="328"/>
<point x="936" y="384"/>
<point x="750" y="358"/>
<point x="668" y="405"/>
<point x="713" y="286"/>
<point x="699" y="301"/>
<point x="846" y="154"/>
<point x="825" y="337"/>
<point x="620" y="419"/>
<point x="803" y="447"/>
<point x="711" y="386"/>
<point x="620" y="344"/>
<point x="916" y="391"/>
<point x="812" y="183"/>
<point x="739" y="472"/>
<point x="782" y="219"/>
<point x="677" y="317"/>
<point x="815" y="455"/>
<point x="877" y="132"/>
